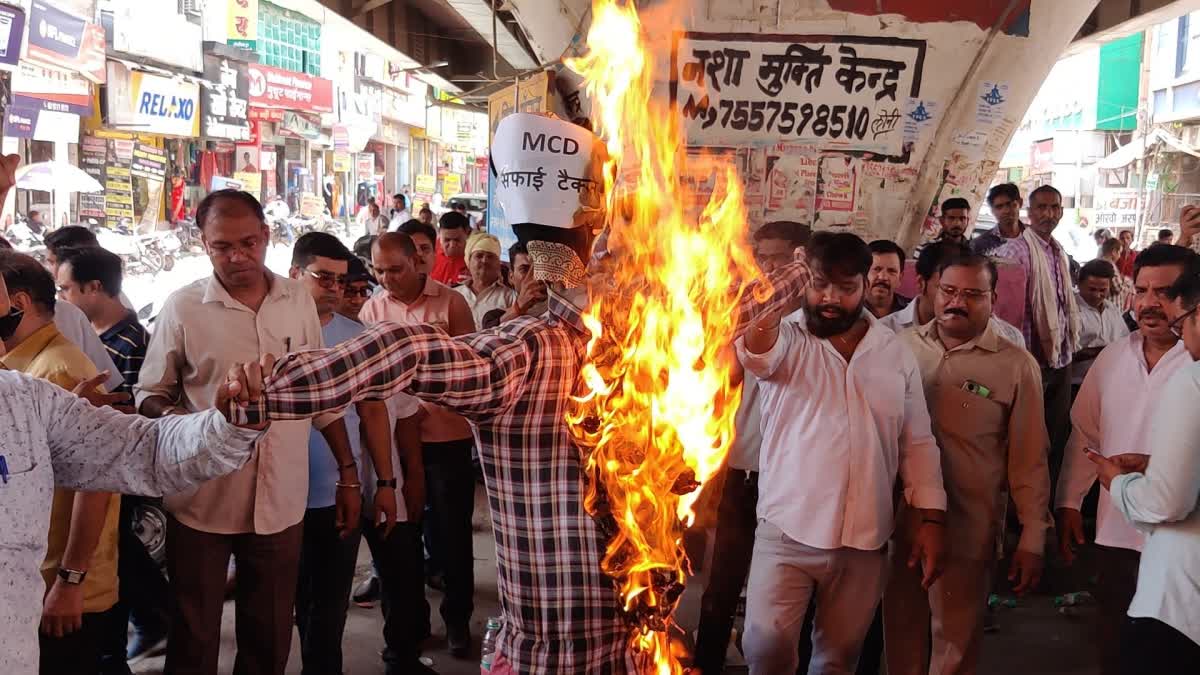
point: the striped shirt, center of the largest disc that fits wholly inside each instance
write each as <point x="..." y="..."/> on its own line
<point x="126" y="344"/>
<point x="561" y="613"/>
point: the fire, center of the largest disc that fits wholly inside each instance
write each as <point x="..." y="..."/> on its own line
<point x="654" y="408"/>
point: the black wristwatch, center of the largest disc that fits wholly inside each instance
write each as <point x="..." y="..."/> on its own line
<point x="391" y="482"/>
<point x="72" y="577"/>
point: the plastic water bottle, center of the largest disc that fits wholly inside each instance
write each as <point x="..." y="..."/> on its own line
<point x="489" y="644"/>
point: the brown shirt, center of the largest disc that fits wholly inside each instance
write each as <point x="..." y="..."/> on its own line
<point x="992" y="438"/>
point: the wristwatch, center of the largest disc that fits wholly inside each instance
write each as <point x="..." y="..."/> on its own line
<point x="391" y="482"/>
<point x="72" y="577"/>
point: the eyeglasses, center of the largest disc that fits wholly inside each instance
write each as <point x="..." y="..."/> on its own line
<point x="363" y="292"/>
<point x="327" y="280"/>
<point x="1176" y="326"/>
<point x="967" y="294"/>
<point x="62" y="291"/>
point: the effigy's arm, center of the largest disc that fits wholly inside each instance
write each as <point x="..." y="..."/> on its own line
<point x="774" y="293"/>
<point x="388" y="359"/>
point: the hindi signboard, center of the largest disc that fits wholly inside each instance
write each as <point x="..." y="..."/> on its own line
<point x="836" y="92"/>
<point x="225" y="105"/>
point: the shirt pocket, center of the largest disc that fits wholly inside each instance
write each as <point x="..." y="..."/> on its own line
<point x="18" y="460"/>
<point x="961" y="413"/>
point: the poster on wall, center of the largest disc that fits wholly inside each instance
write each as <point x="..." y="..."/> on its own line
<point x="93" y="153"/>
<point x="837" y="184"/>
<point x="251" y="182"/>
<point x="118" y="184"/>
<point x="343" y="162"/>
<point x="451" y="185"/>
<point x="424" y="187"/>
<point x="246" y="159"/>
<point x="267" y="156"/>
<point x="364" y="166"/>
<point x="12" y="29"/>
<point x="149" y="163"/>
<point x="838" y="92"/>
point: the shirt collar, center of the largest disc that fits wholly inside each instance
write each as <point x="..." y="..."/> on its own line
<point x="987" y="340"/>
<point x="563" y="307"/>
<point x="28" y="350"/>
<point x="130" y="317"/>
<point x="215" y="291"/>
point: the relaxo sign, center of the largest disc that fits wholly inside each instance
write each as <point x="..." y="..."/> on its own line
<point x="153" y="104"/>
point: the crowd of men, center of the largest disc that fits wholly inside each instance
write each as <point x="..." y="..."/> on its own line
<point x="880" y="442"/>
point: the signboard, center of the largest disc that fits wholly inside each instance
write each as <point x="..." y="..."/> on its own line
<point x="834" y="91"/>
<point x="151" y="103"/>
<point x="528" y="96"/>
<point x="272" y="87"/>
<point x="246" y="159"/>
<point x="298" y="125"/>
<point x="365" y="166"/>
<point x="225" y="104"/>
<point x="118" y="183"/>
<point x="343" y="162"/>
<point x="341" y="138"/>
<point x="224" y="183"/>
<point x="1116" y="207"/>
<point x="1041" y="157"/>
<point x="424" y="187"/>
<point x="451" y="185"/>
<point x="251" y="182"/>
<point x="265" y="114"/>
<point x="12" y="29"/>
<point x="311" y="206"/>
<point x="92" y="159"/>
<point x="149" y="163"/>
<point x="43" y="88"/>
<point x="20" y="121"/>
<point x="243" y="23"/>
<point x="267" y="156"/>
<point x="63" y="40"/>
<point x="156" y="30"/>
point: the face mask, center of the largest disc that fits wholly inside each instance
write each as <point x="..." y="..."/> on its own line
<point x="9" y="323"/>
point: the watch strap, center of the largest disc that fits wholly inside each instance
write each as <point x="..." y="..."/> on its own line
<point x="72" y="577"/>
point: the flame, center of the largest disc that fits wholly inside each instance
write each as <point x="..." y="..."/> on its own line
<point x="654" y="408"/>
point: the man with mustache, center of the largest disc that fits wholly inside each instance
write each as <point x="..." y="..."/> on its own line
<point x="887" y="268"/>
<point x="1111" y="416"/>
<point x="843" y="410"/>
<point x="1051" y="323"/>
<point x="985" y="402"/>
<point x="921" y="310"/>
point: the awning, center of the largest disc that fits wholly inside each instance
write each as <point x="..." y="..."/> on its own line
<point x="1139" y="146"/>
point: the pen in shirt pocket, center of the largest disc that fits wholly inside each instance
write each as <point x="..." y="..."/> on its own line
<point x="287" y="345"/>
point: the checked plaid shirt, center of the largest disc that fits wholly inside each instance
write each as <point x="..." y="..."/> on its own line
<point x="561" y="613"/>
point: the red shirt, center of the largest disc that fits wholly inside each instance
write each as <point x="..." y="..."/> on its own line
<point x="449" y="271"/>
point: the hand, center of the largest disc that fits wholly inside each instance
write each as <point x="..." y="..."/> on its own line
<point x="1189" y="224"/>
<point x="62" y="610"/>
<point x="90" y="391"/>
<point x="1106" y="468"/>
<point x="8" y="172"/>
<point x="1026" y="570"/>
<point x="385" y="505"/>
<point x="1132" y="462"/>
<point x="243" y="383"/>
<point x="531" y="293"/>
<point x="348" y="509"/>
<point x="1070" y="533"/>
<point x="929" y="549"/>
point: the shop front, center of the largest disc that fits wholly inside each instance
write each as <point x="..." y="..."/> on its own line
<point x="288" y="107"/>
<point x="229" y="133"/>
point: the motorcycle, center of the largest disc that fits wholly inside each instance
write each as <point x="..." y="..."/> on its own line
<point x="153" y="252"/>
<point x="23" y="239"/>
<point x="278" y="216"/>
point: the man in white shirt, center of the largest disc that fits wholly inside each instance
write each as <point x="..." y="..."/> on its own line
<point x="485" y="290"/>
<point x="1162" y="631"/>
<point x="399" y="213"/>
<point x="1100" y="321"/>
<point x="920" y="311"/>
<point x="1112" y="416"/>
<point x="843" y="412"/>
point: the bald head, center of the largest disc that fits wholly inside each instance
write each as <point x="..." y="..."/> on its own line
<point x="395" y="242"/>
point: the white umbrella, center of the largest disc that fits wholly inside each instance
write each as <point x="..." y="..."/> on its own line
<point x="52" y="176"/>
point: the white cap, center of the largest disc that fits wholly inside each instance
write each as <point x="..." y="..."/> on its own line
<point x="547" y="171"/>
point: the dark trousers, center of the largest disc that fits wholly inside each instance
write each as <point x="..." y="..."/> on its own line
<point x="1152" y="646"/>
<point x="323" y="590"/>
<point x="734" y="544"/>
<point x="143" y="588"/>
<point x="77" y="653"/>
<point x="1117" y="572"/>
<point x="265" y="593"/>
<point x="450" y="493"/>
<point x="399" y="562"/>
<point x="1056" y="388"/>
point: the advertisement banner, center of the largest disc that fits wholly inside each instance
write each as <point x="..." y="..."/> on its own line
<point x="265" y="114"/>
<point x="35" y="86"/>
<point x="297" y="125"/>
<point x="268" y="158"/>
<point x="118" y="183"/>
<point x="20" y="121"/>
<point x="243" y="23"/>
<point x="12" y="31"/>
<point x="451" y="185"/>
<point x="92" y="159"/>
<point x="341" y="138"/>
<point x="311" y="206"/>
<point x="149" y="162"/>
<point x="251" y="182"/>
<point x="343" y="162"/>
<point x="246" y="159"/>
<point x="63" y="40"/>
<point x="1116" y="207"/>
<point x="839" y="92"/>
<point x="275" y="88"/>
<point x="424" y="187"/>
<point x="365" y="166"/>
<point x="528" y="96"/>
<point x="152" y="103"/>
<point x="226" y="101"/>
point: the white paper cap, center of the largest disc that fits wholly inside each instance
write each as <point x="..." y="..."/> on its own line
<point x="547" y="171"/>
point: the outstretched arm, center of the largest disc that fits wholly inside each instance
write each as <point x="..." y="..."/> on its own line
<point x="388" y="359"/>
<point x="767" y="300"/>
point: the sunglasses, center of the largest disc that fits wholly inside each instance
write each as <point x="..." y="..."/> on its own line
<point x="327" y="280"/>
<point x="363" y="292"/>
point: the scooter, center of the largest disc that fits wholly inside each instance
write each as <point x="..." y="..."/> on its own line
<point x="140" y="252"/>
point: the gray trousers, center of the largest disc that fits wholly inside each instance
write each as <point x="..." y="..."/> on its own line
<point x="785" y="576"/>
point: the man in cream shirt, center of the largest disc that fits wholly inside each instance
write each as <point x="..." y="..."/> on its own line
<point x="1112" y="416"/>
